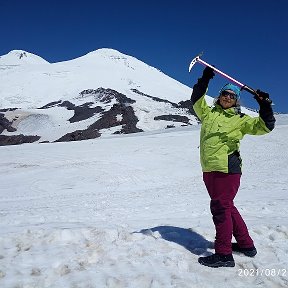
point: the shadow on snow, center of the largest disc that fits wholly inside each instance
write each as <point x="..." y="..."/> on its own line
<point x="187" y="238"/>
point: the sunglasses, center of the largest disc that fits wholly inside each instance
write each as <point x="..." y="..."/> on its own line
<point x="231" y="95"/>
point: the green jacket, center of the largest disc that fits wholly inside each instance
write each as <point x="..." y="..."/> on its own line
<point x="221" y="132"/>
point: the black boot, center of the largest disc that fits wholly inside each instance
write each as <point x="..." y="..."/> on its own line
<point x="250" y="252"/>
<point x="217" y="260"/>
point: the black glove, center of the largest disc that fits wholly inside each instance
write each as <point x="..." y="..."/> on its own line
<point x="262" y="98"/>
<point x="265" y="111"/>
<point x="208" y="73"/>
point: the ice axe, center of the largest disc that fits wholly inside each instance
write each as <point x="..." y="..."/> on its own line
<point x="241" y="85"/>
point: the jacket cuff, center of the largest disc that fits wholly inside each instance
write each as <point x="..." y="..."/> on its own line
<point x="199" y="89"/>
<point x="266" y="113"/>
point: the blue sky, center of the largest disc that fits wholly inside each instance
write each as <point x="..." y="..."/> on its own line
<point x="246" y="39"/>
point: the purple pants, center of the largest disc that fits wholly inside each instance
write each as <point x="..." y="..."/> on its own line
<point x="222" y="189"/>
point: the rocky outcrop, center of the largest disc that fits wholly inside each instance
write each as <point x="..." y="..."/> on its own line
<point x="106" y="96"/>
<point x="5" y="124"/>
<point x="81" y="112"/>
<point x="17" y="139"/>
<point x="51" y="104"/>
<point x="7" y="109"/>
<point x="154" y="98"/>
<point x="79" y="135"/>
<point x="174" y="118"/>
<point x="119" y="114"/>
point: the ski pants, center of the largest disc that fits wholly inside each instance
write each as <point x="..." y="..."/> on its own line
<point x="222" y="188"/>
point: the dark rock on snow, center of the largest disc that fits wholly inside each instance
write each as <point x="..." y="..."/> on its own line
<point x="5" y="124"/>
<point x="120" y="114"/>
<point x="17" y="139"/>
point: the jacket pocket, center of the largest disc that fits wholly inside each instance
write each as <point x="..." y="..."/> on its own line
<point x="234" y="163"/>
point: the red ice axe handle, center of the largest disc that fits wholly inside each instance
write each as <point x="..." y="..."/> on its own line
<point x="241" y="85"/>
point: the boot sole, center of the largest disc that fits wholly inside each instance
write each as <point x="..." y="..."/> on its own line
<point x="219" y="264"/>
<point x="247" y="253"/>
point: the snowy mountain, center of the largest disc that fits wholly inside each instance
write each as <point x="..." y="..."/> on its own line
<point x="102" y="93"/>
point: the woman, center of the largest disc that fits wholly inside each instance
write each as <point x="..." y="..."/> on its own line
<point x="223" y="126"/>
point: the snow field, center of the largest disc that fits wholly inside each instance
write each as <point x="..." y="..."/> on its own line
<point x="90" y="257"/>
<point x="132" y="211"/>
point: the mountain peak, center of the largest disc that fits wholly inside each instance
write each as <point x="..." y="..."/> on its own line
<point x="105" y="57"/>
<point x="20" y="57"/>
<point x="106" y="52"/>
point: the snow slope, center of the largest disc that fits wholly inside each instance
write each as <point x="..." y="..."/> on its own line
<point x="30" y="86"/>
<point x="73" y="215"/>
